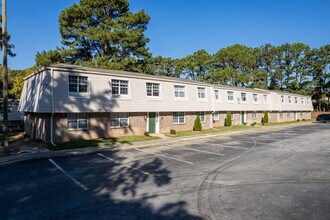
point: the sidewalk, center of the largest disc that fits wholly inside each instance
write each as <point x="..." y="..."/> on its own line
<point x="143" y="144"/>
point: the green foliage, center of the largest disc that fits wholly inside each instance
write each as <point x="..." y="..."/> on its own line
<point x="265" y="119"/>
<point x="173" y="132"/>
<point x="146" y="133"/>
<point x="47" y="58"/>
<point x="10" y="46"/>
<point x="228" y="121"/>
<point x="99" y="30"/>
<point x="254" y="124"/>
<point x="197" y="124"/>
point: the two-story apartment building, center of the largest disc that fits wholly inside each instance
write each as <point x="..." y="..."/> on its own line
<point x="66" y="102"/>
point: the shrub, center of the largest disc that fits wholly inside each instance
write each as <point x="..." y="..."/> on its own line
<point x="265" y="118"/>
<point x="228" y="120"/>
<point x="173" y="131"/>
<point x="197" y="124"/>
<point x="298" y="120"/>
<point x="253" y="124"/>
<point x="244" y="123"/>
<point x="304" y="119"/>
<point x="146" y="133"/>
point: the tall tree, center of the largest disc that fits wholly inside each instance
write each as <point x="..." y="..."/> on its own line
<point x="107" y="31"/>
<point x="163" y="66"/>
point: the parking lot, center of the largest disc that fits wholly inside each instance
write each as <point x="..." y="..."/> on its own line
<point x="275" y="173"/>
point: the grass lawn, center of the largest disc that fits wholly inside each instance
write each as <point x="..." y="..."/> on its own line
<point x="210" y="131"/>
<point x="232" y="128"/>
<point x="100" y="143"/>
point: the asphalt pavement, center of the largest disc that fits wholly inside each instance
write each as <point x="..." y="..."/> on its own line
<point x="282" y="174"/>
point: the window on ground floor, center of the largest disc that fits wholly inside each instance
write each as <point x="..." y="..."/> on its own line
<point x="281" y="115"/>
<point x="77" y="120"/>
<point x="254" y="115"/>
<point x="216" y="116"/>
<point x="178" y="118"/>
<point x="119" y="119"/>
<point x="232" y="115"/>
<point x="201" y="116"/>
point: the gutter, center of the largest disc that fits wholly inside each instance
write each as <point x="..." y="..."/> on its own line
<point x="52" y="115"/>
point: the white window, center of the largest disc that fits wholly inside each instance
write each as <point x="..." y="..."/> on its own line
<point x="307" y="101"/>
<point x="255" y="97"/>
<point x="301" y="114"/>
<point x="230" y="95"/>
<point x="302" y="101"/>
<point x="201" y="92"/>
<point x="243" y="97"/>
<point x="281" y="114"/>
<point x="232" y="115"/>
<point x="265" y="98"/>
<point x="178" y="118"/>
<point x="291" y="115"/>
<point x="254" y="115"/>
<point x="78" y="84"/>
<point x="216" y="116"/>
<point x="296" y="100"/>
<point x="152" y="89"/>
<point x="282" y="98"/>
<point x="119" y="87"/>
<point x="289" y="99"/>
<point x="201" y="116"/>
<point x="119" y="119"/>
<point x="216" y="94"/>
<point x="179" y="91"/>
<point x="77" y="120"/>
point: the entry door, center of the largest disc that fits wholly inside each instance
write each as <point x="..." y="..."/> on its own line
<point x="243" y="117"/>
<point x="152" y="122"/>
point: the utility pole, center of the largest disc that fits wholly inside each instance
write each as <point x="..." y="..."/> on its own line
<point x="5" y="79"/>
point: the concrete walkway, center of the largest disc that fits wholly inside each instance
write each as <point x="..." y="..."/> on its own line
<point x="143" y="144"/>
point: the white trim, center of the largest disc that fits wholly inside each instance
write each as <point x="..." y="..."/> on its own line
<point x="119" y="96"/>
<point x="79" y="95"/>
<point x="179" y="123"/>
<point x="201" y="117"/>
<point x="185" y="98"/>
<point x="128" y="115"/>
<point x="153" y="98"/>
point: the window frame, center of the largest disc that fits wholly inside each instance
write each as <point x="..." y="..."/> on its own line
<point x="217" y="94"/>
<point x="253" y="97"/>
<point x="254" y="115"/>
<point x="244" y="93"/>
<point x="201" y="115"/>
<point x="289" y="100"/>
<point x="153" y="90"/>
<point x="295" y="100"/>
<point x="182" y="89"/>
<point x="119" y="95"/>
<point x="78" y="119"/>
<point x="120" y="118"/>
<point x="282" y="99"/>
<point x="233" y="95"/>
<point x="265" y="98"/>
<point x="218" y="116"/>
<point x="178" y="115"/>
<point x="199" y="94"/>
<point x="77" y="93"/>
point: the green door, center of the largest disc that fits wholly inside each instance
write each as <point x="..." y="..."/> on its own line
<point x="152" y="122"/>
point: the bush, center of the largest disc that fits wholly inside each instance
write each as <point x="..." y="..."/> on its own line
<point x="265" y="118"/>
<point x="253" y="124"/>
<point x="298" y="120"/>
<point x="228" y="120"/>
<point x="244" y="123"/>
<point x="304" y="120"/>
<point x="146" y="133"/>
<point x="173" y="131"/>
<point x="197" y="124"/>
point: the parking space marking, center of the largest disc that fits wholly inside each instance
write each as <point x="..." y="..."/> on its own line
<point x="228" y="146"/>
<point x="162" y="155"/>
<point x="108" y="158"/>
<point x="70" y="177"/>
<point x="202" y="151"/>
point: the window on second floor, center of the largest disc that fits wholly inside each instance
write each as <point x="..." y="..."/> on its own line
<point x="265" y="98"/>
<point x="296" y="100"/>
<point x="289" y="99"/>
<point x="152" y="89"/>
<point x="255" y="97"/>
<point x="230" y="95"/>
<point x="179" y="91"/>
<point x="201" y="92"/>
<point x="243" y="97"/>
<point x="282" y="98"/>
<point x="119" y="87"/>
<point x="302" y="100"/>
<point x="78" y="84"/>
<point x="216" y="94"/>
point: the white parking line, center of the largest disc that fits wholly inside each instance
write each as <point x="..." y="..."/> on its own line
<point x="162" y="155"/>
<point x="108" y="158"/>
<point x="227" y="146"/>
<point x="70" y="177"/>
<point x="202" y="151"/>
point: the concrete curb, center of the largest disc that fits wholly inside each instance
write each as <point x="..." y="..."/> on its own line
<point x="4" y="161"/>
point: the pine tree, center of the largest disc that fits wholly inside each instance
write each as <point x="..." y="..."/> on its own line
<point x="228" y="120"/>
<point x="265" y="118"/>
<point x="197" y="124"/>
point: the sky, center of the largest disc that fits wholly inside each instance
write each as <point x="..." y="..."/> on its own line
<point x="178" y="28"/>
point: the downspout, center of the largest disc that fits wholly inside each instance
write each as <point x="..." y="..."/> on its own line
<point x="52" y="115"/>
<point x="213" y="107"/>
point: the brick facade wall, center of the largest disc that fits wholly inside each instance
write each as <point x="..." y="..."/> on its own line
<point x="166" y="121"/>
